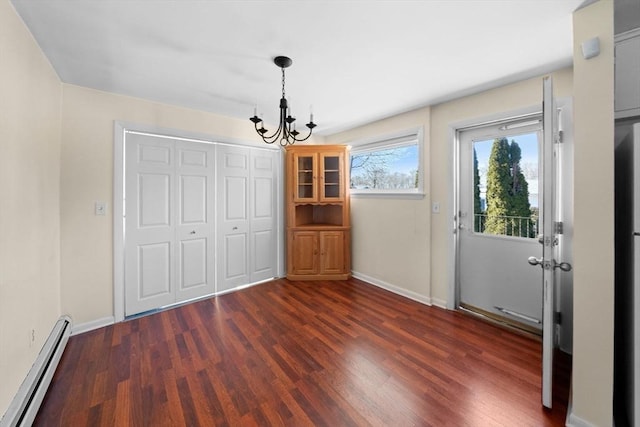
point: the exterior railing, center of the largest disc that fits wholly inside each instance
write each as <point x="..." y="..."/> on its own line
<point x="516" y="226"/>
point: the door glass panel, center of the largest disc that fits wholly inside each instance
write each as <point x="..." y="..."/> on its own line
<point x="331" y="176"/>
<point x="505" y="186"/>
<point x="305" y="177"/>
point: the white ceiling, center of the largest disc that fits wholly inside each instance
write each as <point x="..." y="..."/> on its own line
<point x="353" y="61"/>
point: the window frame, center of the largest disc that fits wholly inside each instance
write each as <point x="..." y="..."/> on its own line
<point x="407" y="137"/>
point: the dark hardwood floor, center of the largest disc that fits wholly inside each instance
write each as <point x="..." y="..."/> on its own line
<point x="303" y="353"/>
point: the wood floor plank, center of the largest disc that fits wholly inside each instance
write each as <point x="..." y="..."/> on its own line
<point x="283" y="353"/>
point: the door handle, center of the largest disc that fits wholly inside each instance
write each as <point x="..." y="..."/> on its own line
<point x="534" y="261"/>
<point x="564" y="266"/>
<point x="193" y="232"/>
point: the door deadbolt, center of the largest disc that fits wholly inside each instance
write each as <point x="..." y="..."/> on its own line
<point x="564" y="266"/>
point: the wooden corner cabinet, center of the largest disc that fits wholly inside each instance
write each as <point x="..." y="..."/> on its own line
<point x="318" y="217"/>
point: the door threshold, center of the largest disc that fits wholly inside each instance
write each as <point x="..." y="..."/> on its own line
<point x="501" y="321"/>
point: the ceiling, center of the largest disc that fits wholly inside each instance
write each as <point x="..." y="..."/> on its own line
<point x="353" y="61"/>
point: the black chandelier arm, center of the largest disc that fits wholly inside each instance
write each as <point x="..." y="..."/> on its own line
<point x="269" y="139"/>
<point x="306" y="137"/>
<point x="283" y="132"/>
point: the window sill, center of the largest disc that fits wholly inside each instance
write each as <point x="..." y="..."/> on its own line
<point x="388" y="195"/>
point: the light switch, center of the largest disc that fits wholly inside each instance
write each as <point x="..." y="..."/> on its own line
<point x="435" y="207"/>
<point x="101" y="208"/>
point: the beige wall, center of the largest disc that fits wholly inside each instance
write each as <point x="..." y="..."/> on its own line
<point x="30" y="96"/>
<point x="391" y="237"/>
<point x="593" y="223"/>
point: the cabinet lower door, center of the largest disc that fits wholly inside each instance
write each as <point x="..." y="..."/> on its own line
<point x="304" y="252"/>
<point x="332" y="252"/>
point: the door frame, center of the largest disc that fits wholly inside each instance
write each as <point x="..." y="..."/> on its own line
<point x="120" y="130"/>
<point x="564" y="291"/>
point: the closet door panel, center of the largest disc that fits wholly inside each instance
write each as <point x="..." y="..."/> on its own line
<point x="233" y="217"/>
<point x="263" y="215"/>
<point x="149" y="224"/>
<point x="195" y="232"/>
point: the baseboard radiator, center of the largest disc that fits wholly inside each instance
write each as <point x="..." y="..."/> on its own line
<point x="24" y="407"/>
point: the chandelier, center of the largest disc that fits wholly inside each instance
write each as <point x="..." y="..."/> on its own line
<point x="286" y="132"/>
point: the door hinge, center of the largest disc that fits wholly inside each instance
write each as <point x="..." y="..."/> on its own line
<point x="560" y="137"/>
<point x="558" y="227"/>
<point x="558" y="318"/>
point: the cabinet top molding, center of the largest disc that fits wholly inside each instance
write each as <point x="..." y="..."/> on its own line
<point x="317" y="148"/>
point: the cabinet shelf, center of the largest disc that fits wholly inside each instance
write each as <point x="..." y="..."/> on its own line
<point x="312" y="214"/>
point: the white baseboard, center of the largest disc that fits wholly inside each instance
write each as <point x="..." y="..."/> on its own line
<point x="574" y="421"/>
<point x="439" y="303"/>
<point x="395" y="289"/>
<point x="94" y="324"/>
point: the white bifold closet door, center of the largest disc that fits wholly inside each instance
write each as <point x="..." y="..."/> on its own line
<point x="247" y="216"/>
<point x="169" y="231"/>
<point x="174" y="251"/>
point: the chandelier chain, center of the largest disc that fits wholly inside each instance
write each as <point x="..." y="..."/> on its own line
<point x="283" y="83"/>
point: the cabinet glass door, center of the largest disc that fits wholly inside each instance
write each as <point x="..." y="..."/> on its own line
<point x="331" y="170"/>
<point x="305" y="170"/>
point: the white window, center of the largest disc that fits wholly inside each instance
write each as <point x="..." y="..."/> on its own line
<point x="390" y="165"/>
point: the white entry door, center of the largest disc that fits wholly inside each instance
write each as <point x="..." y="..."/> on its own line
<point x="554" y="258"/>
<point x="169" y="222"/>
<point x="495" y="276"/>
<point x="498" y="221"/>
